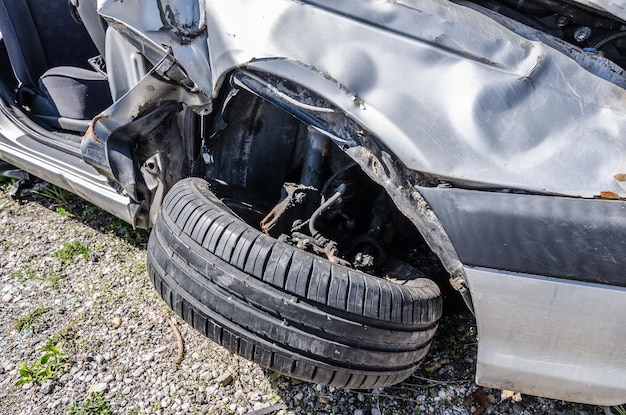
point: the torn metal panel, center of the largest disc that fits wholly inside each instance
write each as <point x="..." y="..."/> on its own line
<point x="144" y="112"/>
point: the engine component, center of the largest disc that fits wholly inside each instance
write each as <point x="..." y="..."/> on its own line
<point x="369" y="246"/>
<point x="297" y="203"/>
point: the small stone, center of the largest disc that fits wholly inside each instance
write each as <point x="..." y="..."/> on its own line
<point x="430" y="368"/>
<point x="108" y="378"/>
<point x="126" y="390"/>
<point x="514" y="396"/>
<point x="7" y="298"/>
<point x="160" y="349"/>
<point x="165" y="402"/>
<point x="375" y="411"/>
<point x="206" y="375"/>
<point x="200" y="397"/>
<point x="254" y="397"/>
<point x="47" y="387"/>
<point x="225" y="379"/>
<point x="358" y="412"/>
<point x="116" y="322"/>
<point x="138" y="372"/>
<point x="442" y="394"/>
<point x="299" y="396"/>
<point x="9" y="367"/>
<point x="185" y="406"/>
<point x="98" y="388"/>
<point x="148" y="357"/>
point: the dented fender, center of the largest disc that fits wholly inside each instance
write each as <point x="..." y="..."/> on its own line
<point x="448" y="88"/>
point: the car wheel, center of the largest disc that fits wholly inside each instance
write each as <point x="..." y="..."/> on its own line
<point x="283" y="308"/>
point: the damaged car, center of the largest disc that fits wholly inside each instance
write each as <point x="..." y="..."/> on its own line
<point x="316" y="173"/>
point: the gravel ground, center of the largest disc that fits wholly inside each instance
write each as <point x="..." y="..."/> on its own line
<point x="75" y="277"/>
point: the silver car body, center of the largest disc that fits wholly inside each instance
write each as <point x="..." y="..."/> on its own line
<point x="513" y="124"/>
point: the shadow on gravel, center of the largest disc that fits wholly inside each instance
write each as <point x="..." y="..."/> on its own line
<point x="67" y="204"/>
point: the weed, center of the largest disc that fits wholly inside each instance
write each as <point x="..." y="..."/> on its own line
<point x="59" y="198"/>
<point x="88" y="212"/>
<point x="54" y="280"/>
<point x="5" y="182"/>
<point x="275" y="398"/>
<point x="23" y="274"/>
<point x="49" y="365"/>
<point x="95" y="404"/>
<point x="29" y="321"/>
<point x="65" y="336"/>
<point x="61" y="211"/>
<point x="71" y="250"/>
<point x="620" y="409"/>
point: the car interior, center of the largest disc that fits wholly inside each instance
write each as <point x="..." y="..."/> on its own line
<point x="55" y="48"/>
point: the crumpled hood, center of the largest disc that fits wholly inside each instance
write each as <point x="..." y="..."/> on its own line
<point x="452" y="90"/>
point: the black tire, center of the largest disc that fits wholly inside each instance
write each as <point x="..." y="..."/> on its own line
<point x="283" y="308"/>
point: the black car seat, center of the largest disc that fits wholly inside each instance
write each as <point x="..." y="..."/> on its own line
<point x="49" y="53"/>
<point x="96" y="26"/>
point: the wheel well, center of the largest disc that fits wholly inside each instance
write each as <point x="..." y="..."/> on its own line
<point x="278" y="152"/>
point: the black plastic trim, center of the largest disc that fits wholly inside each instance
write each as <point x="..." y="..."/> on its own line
<point x="579" y="239"/>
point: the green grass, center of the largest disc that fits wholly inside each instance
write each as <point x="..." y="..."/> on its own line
<point x="49" y="366"/>
<point x="72" y="250"/>
<point x="66" y="336"/>
<point x="53" y="280"/>
<point x="29" y="321"/>
<point x="620" y="410"/>
<point x="95" y="404"/>
<point x="60" y="199"/>
<point x="24" y="274"/>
